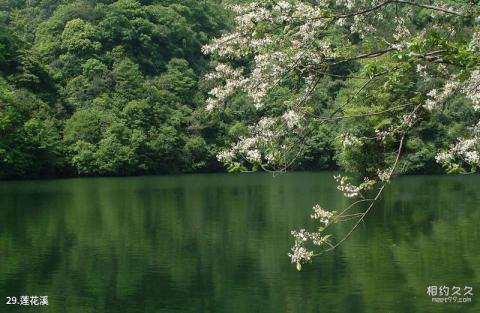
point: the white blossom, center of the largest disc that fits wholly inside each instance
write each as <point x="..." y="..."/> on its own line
<point x="300" y="254"/>
<point x="466" y="151"/>
<point x="317" y="238"/>
<point x="475" y="42"/>
<point x="437" y="97"/>
<point x="471" y="89"/>
<point x="301" y="235"/>
<point x="422" y="71"/>
<point x="350" y="140"/>
<point x="226" y="156"/>
<point x="254" y="156"/>
<point x="346" y="187"/>
<point x="292" y="118"/>
<point x="325" y="217"/>
<point x="384" y="175"/>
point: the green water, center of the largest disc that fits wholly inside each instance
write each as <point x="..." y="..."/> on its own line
<point x="219" y="243"/>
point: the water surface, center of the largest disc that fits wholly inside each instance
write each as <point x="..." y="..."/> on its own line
<point x="218" y="243"/>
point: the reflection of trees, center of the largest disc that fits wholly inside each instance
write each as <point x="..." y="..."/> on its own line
<point x="218" y="244"/>
<point x="425" y="235"/>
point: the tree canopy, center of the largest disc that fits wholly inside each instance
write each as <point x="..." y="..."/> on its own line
<point x="143" y="87"/>
<point x="104" y="87"/>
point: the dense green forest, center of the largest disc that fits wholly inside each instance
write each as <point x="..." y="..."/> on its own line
<point x="105" y="87"/>
<point x="118" y="88"/>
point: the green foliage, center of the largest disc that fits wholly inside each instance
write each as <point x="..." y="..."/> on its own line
<point x="29" y="137"/>
<point x="119" y="86"/>
<point x="116" y="88"/>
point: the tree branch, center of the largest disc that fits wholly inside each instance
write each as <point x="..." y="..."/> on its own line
<point x="381" y="5"/>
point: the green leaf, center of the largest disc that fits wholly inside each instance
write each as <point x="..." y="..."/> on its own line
<point x="299" y="266"/>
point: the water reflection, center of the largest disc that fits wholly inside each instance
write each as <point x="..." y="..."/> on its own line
<point x="218" y="243"/>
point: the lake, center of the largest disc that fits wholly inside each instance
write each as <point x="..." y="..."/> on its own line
<point x="219" y="243"/>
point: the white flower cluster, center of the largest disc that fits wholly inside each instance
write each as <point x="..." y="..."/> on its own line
<point x="349" y="4"/>
<point x="471" y="89"/>
<point x="268" y="69"/>
<point x="293" y="119"/>
<point x="226" y="156"/>
<point x="349" y="190"/>
<point x="349" y="140"/>
<point x="273" y="54"/>
<point x="401" y="29"/>
<point x="285" y="38"/>
<point x="317" y="238"/>
<point x="408" y="119"/>
<point x="245" y="147"/>
<point x="422" y="71"/>
<point x="381" y="135"/>
<point x="233" y="80"/>
<point x="268" y="143"/>
<point x="325" y="217"/>
<point x="437" y="97"/>
<point x="475" y="42"/>
<point x="301" y="236"/>
<point x="384" y="175"/>
<point x="300" y="254"/>
<point x="466" y="151"/>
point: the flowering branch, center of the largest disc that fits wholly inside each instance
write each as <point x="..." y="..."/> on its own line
<point x="300" y="254"/>
<point x="281" y="42"/>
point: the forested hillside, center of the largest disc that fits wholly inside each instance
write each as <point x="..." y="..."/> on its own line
<point x="118" y="88"/>
<point x="105" y="87"/>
